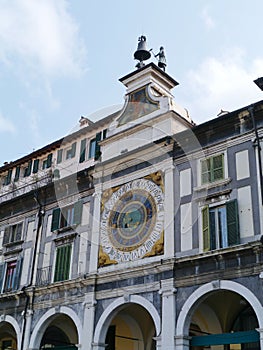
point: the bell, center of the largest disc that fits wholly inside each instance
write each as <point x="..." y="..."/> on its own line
<point x="142" y="54"/>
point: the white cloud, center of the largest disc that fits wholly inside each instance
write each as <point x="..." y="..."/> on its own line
<point x="222" y="83"/>
<point x="208" y="20"/>
<point x="6" y="125"/>
<point x="40" y="35"/>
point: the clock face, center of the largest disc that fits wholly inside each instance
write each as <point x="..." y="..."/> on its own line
<point x="132" y="220"/>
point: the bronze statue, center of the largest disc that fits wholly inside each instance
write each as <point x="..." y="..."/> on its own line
<point x="162" y="59"/>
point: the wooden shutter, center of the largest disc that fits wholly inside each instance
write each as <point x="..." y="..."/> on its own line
<point x="49" y="160"/>
<point x="77" y="213"/>
<point x="2" y="274"/>
<point x="73" y="149"/>
<point x="19" y="232"/>
<point x="232" y="223"/>
<point x="205" y="228"/>
<point x="97" y="146"/>
<point x="35" y="166"/>
<point x="8" y="177"/>
<point x="17" y="173"/>
<point x="82" y="151"/>
<point x="62" y="266"/>
<point x="17" y="276"/>
<point x="6" y="235"/>
<point x="218" y="167"/>
<point x="55" y="219"/>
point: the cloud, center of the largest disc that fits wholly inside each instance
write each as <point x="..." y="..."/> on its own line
<point x="222" y="83"/>
<point x="208" y="20"/>
<point x="41" y="35"/>
<point x="6" y="125"/>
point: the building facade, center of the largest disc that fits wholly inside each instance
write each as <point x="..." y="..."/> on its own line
<point x="140" y="231"/>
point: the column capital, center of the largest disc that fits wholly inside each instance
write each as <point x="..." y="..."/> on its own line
<point x="168" y="287"/>
<point x="89" y="300"/>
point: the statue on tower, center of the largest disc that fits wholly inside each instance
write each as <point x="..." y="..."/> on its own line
<point x="161" y="59"/>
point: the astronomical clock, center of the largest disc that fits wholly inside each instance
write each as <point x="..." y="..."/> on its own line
<point x="132" y="221"/>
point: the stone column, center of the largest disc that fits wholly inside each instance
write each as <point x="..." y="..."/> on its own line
<point x="260" y="330"/>
<point x="88" y="324"/>
<point x="29" y="315"/>
<point x="168" y="314"/>
<point x="99" y="346"/>
<point x="182" y="342"/>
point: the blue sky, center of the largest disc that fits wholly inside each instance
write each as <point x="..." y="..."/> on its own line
<point x="61" y="59"/>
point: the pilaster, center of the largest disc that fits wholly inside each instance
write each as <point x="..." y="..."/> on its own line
<point x="168" y="292"/>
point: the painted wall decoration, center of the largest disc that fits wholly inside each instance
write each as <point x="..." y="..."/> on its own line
<point x="139" y="105"/>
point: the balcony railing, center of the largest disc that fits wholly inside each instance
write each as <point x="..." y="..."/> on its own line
<point x="44" y="276"/>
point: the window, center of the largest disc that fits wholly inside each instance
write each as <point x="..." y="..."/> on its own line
<point x="13" y="233"/>
<point x="94" y="147"/>
<point x="82" y="156"/>
<point x="67" y="217"/>
<point x="35" y="166"/>
<point x="10" y="273"/>
<point x="70" y="153"/>
<point x="59" y="156"/>
<point x="28" y="169"/>
<point x="62" y="265"/>
<point x="212" y="169"/>
<point x="47" y="162"/>
<point x="220" y="226"/>
<point x="8" y="177"/>
<point x="17" y="173"/>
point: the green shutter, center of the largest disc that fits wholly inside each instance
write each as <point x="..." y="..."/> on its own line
<point x="73" y="149"/>
<point x="82" y="151"/>
<point x="17" y="173"/>
<point x="97" y="146"/>
<point x="62" y="266"/>
<point x="6" y="235"/>
<point x="35" y="166"/>
<point x="2" y="272"/>
<point x="18" y="272"/>
<point x="232" y="223"/>
<point x="8" y="177"/>
<point x="218" y="167"/>
<point x="59" y="156"/>
<point x="55" y="219"/>
<point x="77" y="213"/>
<point x="205" y="228"/>
<point x="49" y="160"/>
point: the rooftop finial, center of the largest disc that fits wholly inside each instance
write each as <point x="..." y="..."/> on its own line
<point x="141" y="54"/>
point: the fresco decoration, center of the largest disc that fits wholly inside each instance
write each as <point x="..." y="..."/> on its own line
<point x="139" y="104"/>
<point x="132" y="221"/>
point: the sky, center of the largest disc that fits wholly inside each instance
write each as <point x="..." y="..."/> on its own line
<point x="62" y="59"/>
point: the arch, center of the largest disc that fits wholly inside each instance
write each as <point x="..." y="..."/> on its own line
<point x="39" y="329"/>
<point x="112" y="310"/>
<point x="13" y="322"/>
<point x="197" y="296"/>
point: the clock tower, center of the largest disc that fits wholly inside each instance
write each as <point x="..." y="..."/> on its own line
<point x="134" y="177"/>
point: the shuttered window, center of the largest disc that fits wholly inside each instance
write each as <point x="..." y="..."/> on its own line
<point x="212" y="169"/>
<point x="67" y="216"/>
<point x="35" y="166"/>
<point x="62" y="265"/>
<point x="13" y="233"/>
<point x="82" y="156"/>
<point x="17" y="173"/>
<point x="220" y="226"/>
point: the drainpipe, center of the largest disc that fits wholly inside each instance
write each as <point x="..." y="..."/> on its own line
<point x="257" y="144"/>
<point x="27" y="313"/>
